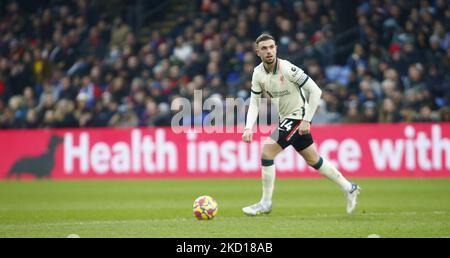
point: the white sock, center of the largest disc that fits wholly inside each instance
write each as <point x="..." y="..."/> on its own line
<point x="268" y="182"/>
<point x="330" y="172"/>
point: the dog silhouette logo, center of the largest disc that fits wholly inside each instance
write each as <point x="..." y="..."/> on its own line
<point x="40" y="166"/>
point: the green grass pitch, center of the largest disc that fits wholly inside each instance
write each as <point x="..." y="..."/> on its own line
<point x="163" y="208"/>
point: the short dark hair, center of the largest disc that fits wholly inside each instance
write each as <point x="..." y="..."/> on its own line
<point x="264" y="37"/>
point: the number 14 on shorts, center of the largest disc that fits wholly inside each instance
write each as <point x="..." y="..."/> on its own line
<point x="286" y="125"/>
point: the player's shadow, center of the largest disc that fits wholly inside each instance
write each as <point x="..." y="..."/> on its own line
<point x="40" y="166"/>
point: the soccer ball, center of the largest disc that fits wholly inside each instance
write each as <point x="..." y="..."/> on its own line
<point x="205" y="208"/>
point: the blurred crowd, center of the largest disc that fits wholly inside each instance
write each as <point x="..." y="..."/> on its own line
<point x="70" y="65"/>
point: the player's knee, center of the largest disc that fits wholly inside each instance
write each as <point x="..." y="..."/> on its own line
<point x="270" y="150"/>
<point x="267" y="154"/>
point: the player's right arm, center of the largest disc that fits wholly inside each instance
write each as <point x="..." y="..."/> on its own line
<point x="253" y="110"/>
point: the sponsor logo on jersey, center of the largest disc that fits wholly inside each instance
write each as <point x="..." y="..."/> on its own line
<point x="278" y="94"/>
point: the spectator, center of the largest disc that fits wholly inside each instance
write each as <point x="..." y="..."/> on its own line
<point x="119" y="32"/>
<point x="369" y="112"/>
<point x="425" y="115"/>
<point x="352" y="114"/>
<point x="322" y="116"/>
<point x="125" y="117"/>
<point x="388" y="112"/>
<point x="444" y="114"/>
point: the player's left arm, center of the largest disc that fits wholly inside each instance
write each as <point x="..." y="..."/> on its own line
<point x="303" y="81"/>
<point x="314" y="100"/>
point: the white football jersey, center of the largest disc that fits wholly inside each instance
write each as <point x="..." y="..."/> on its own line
<point x="284" y="87"/>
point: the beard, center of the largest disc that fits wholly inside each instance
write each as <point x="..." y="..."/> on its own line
<point x="270" y="62"/>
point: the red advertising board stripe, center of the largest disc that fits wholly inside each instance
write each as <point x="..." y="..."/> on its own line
<point x="371" y="150"/>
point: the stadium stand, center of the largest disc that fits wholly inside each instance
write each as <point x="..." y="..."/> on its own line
<point x="90" y="64"/>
